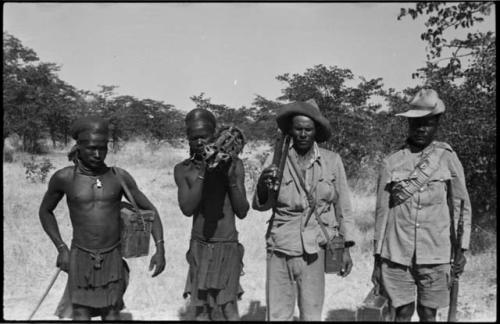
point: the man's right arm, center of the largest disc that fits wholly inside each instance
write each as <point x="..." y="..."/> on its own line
<point x="381" y="209"/>
<point x="50" y="200"/>
<point x="261" y="199"/>
<point x="381" y="214"/>
<point x="188" y="196"/>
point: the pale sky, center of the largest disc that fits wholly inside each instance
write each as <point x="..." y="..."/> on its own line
<point x="230" y="51"/>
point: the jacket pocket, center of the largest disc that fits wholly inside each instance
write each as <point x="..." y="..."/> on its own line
<point x="325" y="191"/>
<point x="437" y="186"/>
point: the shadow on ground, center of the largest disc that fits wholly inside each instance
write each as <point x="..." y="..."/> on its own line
<point x="341" y="315"/>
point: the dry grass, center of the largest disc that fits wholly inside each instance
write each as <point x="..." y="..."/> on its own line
<point x="29" y="257"/>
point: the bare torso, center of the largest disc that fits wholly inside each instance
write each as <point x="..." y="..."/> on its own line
<point x="94" y="212"/>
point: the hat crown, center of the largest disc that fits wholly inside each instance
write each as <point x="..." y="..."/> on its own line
<point x="425" y="103"/>
<point x="427" y="98"/>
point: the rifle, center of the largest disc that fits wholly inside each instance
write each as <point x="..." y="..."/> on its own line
<point x="455" y="255"/>
<point x="279" y="159"/>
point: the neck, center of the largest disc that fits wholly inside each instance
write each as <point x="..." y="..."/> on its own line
<point x="304" y="153"/>
<point x="416" y="148"/>
<point x="86" y="170"/>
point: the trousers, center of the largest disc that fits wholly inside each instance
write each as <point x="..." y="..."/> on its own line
<point x="288" y="274"/>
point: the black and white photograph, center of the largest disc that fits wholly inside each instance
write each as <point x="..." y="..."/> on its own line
<point x="249" y="161"/>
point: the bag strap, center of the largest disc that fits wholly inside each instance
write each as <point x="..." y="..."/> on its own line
<point x="125" y="188"/>
<point x="313" y="209"/>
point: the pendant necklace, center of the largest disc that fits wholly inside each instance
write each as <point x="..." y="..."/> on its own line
<point x="98" y="183"/>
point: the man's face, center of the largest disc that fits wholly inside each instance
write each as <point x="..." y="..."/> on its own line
<point x="303" y="132"/>
<point x="422" y="130"/>
<point x="93" y="150"/>
<point x="199" y="133"/>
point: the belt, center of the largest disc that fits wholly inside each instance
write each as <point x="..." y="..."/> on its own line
<point x="96" y="254"/>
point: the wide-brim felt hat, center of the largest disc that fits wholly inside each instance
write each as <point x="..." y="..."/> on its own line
<point x="307" y="108"/>
<point x="425" y="103"/>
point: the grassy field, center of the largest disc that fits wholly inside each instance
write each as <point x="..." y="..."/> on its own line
<point x="29" y="256"/>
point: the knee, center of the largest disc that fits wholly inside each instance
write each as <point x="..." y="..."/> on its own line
<point x="426" y="314"/>
<point x="231" y="311"/>
<point x="405" y="312"/>
<point x="111" y="314"/>
<point x="80" y="313"/>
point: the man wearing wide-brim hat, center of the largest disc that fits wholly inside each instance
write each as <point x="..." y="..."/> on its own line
<point x="412" y="220"/>
<point x="310" y="202"/>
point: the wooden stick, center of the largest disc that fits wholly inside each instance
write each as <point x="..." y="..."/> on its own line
<point x="45" y="293"/>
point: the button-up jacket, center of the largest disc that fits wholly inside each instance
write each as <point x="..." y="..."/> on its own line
<point x="325" y="178"/>
<point x="420" y="226"/>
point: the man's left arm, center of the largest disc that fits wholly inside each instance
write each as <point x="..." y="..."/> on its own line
<point x="143" y="202"/>
<point x="343" y="212"/>
<point x="459" y="191"/>
<point x="237" y="192"/>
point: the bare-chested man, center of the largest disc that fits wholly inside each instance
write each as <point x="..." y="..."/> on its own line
<point x="213" y="198"/>
<point x="97" y="274"/>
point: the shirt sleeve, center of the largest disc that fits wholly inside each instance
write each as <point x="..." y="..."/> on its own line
<point x="343" y="206"/>
<point x="382" y="207"/>
<point x="459" y="192"/>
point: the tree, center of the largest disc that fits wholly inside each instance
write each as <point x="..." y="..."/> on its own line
<point x="35" y="100"/>
<point x="463" y="72"/>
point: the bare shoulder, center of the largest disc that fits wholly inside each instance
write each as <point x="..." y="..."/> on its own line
<point x="126" y="175"/>
<point x="181" y="167"/>
<point x="60" y="179"/>
<point x="63" y="175"/>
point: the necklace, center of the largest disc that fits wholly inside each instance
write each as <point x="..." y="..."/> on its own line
<point x="98" y="183"/>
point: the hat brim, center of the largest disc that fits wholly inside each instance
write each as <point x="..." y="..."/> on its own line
<point x="423" y="112"/>
<point x="323" y="128"/>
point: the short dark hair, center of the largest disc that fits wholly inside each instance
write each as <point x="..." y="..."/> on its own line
<point x="200" y="114"/>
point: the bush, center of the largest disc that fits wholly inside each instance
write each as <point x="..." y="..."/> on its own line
<point x="37" y="171"/>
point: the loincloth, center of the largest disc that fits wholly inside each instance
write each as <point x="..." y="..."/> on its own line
<point x="97" y="279"/>
<point x="214" y="272"/>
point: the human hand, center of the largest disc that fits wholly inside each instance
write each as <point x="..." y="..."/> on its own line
<point x="377" y="275"/>
<point x="459" y="264"/>
<point x="269" y="177"/>
<point x="63" y="259"/>
<point x="346" y="264"/>
<point x="157" y="262"/>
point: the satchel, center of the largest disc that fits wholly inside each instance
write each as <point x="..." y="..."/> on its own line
<point x="135" y="225"/>
<point x="334" y="254"/>
<point x="375" y="308"/>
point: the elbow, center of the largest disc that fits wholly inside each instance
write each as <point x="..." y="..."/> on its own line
<point x="188" y="212"/>
<point x="242" y="213"/>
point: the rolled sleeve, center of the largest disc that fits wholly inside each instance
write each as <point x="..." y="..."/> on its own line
<point x="459" y="191"/>
<point x="343" y="206"/>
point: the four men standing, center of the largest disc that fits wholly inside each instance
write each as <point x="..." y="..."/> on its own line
<point x="412" y="223"/>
